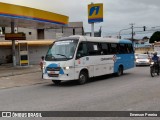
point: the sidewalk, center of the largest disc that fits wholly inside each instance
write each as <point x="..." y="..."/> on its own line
<point x="8" y="70"/>
<point x="19" y="76"/>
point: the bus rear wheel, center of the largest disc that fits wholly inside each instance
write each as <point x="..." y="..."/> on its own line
<point x="120" y="71"/>
<point x="56" y="82"/>
<point x="83" y="77"/>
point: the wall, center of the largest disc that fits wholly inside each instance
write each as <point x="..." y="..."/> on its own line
<point x="27" y="31"/>
<point x="54" y="33"/>
<point x="4" y="52"/>
<point x="143" y="50"/>
<point x="35" y="53"/>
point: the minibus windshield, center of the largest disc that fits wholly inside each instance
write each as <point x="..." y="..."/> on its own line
<point x="61" y="50"/>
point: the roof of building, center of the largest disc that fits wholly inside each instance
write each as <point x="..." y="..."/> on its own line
<point x="157" y="43"/>
<point x="29" y="17"/>
<point x="29" y="42"/>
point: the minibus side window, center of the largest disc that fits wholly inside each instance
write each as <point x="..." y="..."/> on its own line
<point x="122" y="49"/>
<point x="94" y="48"/>
<point x="129" y="48"/>
<point x="113" y="48"/>
<point x="82" y="50"/>
<point x="105" y="49"/>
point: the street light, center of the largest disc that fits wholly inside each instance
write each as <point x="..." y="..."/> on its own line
<point x="121" y="31"/>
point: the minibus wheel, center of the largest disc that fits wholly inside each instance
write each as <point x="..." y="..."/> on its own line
<point x="83" y="77"/>
<point x="56" y="82"/>
<point x="120" y="71"/>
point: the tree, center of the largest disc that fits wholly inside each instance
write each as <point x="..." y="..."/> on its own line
<point x="155" y="37"/>
<point x="145" y="39"/>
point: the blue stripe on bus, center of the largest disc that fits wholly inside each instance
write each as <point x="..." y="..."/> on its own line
<point x="125" y="41"/>
<point x="127" y="60"/>
<point x="53" y="65"/>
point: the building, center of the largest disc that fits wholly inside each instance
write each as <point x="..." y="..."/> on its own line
<point x="20" y="18"/>
<point x="38" y="41"/>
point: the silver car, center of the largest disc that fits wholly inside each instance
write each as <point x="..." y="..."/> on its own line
<point x="142" y="59"/>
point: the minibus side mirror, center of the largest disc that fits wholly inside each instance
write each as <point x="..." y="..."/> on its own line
<point x="78" y="55"/>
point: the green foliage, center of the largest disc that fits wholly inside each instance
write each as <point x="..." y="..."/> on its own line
<point x="145" y="38"/>
<point x="155" y="37"/>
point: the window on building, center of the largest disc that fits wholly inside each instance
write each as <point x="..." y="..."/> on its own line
<point x="30" y="33"/>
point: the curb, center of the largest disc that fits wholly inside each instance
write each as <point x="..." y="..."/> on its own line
<point x="14" y="74"/>
<point x="23" y="85"/>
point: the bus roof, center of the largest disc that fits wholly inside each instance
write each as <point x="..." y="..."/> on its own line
<point x="99" y="39"/>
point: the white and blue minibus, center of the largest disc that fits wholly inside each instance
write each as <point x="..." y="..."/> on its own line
<point x="82" y="57"/>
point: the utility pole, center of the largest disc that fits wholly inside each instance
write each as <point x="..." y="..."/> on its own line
<point x="132" y="33"/>
<point x="13" y="45"/>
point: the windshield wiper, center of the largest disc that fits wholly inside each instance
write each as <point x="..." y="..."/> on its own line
<point x="50" y="56"/>
<point x="62" y="55"/>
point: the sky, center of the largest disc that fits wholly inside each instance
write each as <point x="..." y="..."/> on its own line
<point x="117" y="14"/>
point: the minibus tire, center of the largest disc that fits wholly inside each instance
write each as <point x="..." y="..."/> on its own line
<point x="56" y="82"/>
<point x="120" y="71"/>
<point x="83" y="77"/>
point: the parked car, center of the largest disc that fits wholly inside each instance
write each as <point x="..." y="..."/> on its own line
<point x="136" y="55"/>
<point x="142" y="59"/>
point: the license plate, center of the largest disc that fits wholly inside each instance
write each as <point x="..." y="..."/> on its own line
<point x="51" y="72"/>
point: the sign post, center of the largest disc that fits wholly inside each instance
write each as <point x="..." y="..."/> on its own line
<point x="13" y="46"/>
<point x="15" y="36"/>
<point x="92" y="29"/>
<point x="95" y="14"/>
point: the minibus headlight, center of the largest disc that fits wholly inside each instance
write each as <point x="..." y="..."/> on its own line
<point x="67" y="68"/>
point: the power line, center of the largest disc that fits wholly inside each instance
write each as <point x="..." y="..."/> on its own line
<point x="134" y="32"/>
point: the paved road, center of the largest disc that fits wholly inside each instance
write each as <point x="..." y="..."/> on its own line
<point x="135" y="91"/>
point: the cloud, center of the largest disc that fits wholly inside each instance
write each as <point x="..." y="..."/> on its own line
<point x="118" y="14"/>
